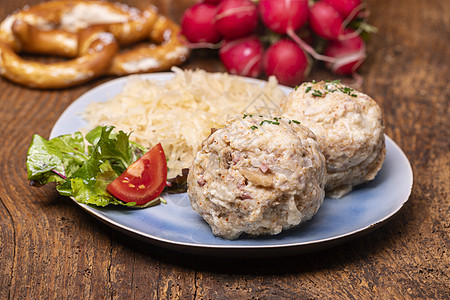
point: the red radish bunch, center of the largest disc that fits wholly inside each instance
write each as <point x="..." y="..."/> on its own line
<point x="349" y="54"/>
<point x="287" y="61"/>
<point x="266" y="37"/>
<point x="243" y="56"/>
<point x="197" y="24"/>
<point x="345" y="7"/>
<point x="326" y="21"/>
<point x="236" y="18"/>
<point x="281" y="15"/>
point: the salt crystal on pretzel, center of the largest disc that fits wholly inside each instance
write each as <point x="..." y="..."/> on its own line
<point x="86" y="14"/>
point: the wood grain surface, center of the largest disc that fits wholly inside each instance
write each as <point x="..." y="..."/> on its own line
<point x="51" y="249"/>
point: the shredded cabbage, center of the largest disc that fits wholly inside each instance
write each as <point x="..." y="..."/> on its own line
<point x="179" y="113"/>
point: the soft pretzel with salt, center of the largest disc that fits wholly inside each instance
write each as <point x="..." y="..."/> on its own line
<point x="53" y="28"/>
<point x="95" y="52"/>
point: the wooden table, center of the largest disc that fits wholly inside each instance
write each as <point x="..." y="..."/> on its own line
<point x="51" y="249"/>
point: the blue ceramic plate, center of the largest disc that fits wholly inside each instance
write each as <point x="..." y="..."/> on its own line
<point x="176" y="226"/>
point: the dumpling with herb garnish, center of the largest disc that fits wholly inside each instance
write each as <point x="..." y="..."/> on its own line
<point x="257" y="175"/>
<point x="349" y="128"/>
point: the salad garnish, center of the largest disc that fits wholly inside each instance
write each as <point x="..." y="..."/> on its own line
<point x="84" y="166"/>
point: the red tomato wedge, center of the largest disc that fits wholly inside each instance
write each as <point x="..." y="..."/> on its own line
<point x="143" y="180"/>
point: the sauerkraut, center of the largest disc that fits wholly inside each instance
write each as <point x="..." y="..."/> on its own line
<point x="179" y="113"/>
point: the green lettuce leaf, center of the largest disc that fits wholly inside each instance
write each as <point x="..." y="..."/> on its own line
<point x="83" y="167"/>
<point x="55" y="160"/>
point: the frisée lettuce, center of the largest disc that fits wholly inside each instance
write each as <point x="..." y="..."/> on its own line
<point x="82" y="167"/>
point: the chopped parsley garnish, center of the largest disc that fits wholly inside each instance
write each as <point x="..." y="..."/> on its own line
<point x="317" y="93"/>
<point x="269" y="122"/>
<point x="253" y="127"/>
<point x="330" y="88"/>
<point x="348" y="91"/>
<point x="333" y="81"/>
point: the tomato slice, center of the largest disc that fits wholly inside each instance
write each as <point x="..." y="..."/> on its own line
<point x="143" y="180"/>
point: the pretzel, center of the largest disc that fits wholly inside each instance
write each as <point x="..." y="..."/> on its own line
<point x="47" y="29"/>
<point x="27" y="34"/>
<point x="171" y="51"/>
<point x="96" y="49"/>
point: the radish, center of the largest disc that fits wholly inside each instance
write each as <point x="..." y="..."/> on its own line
<point x="346" y="7"/>
<point x="236" y="18"/>
<point x="279" y="15"/>
<point x="326" y="21"/>
<point x="243" y="56"/>
<point x="212" y="1"/>
<point x="287" y="61"/>
<point x="287" y="17"/>
<point x="350" y="54"/>
<point x="197" y="24"/>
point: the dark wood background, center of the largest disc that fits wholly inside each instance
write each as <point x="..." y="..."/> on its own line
<point x="51" y="249"/>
